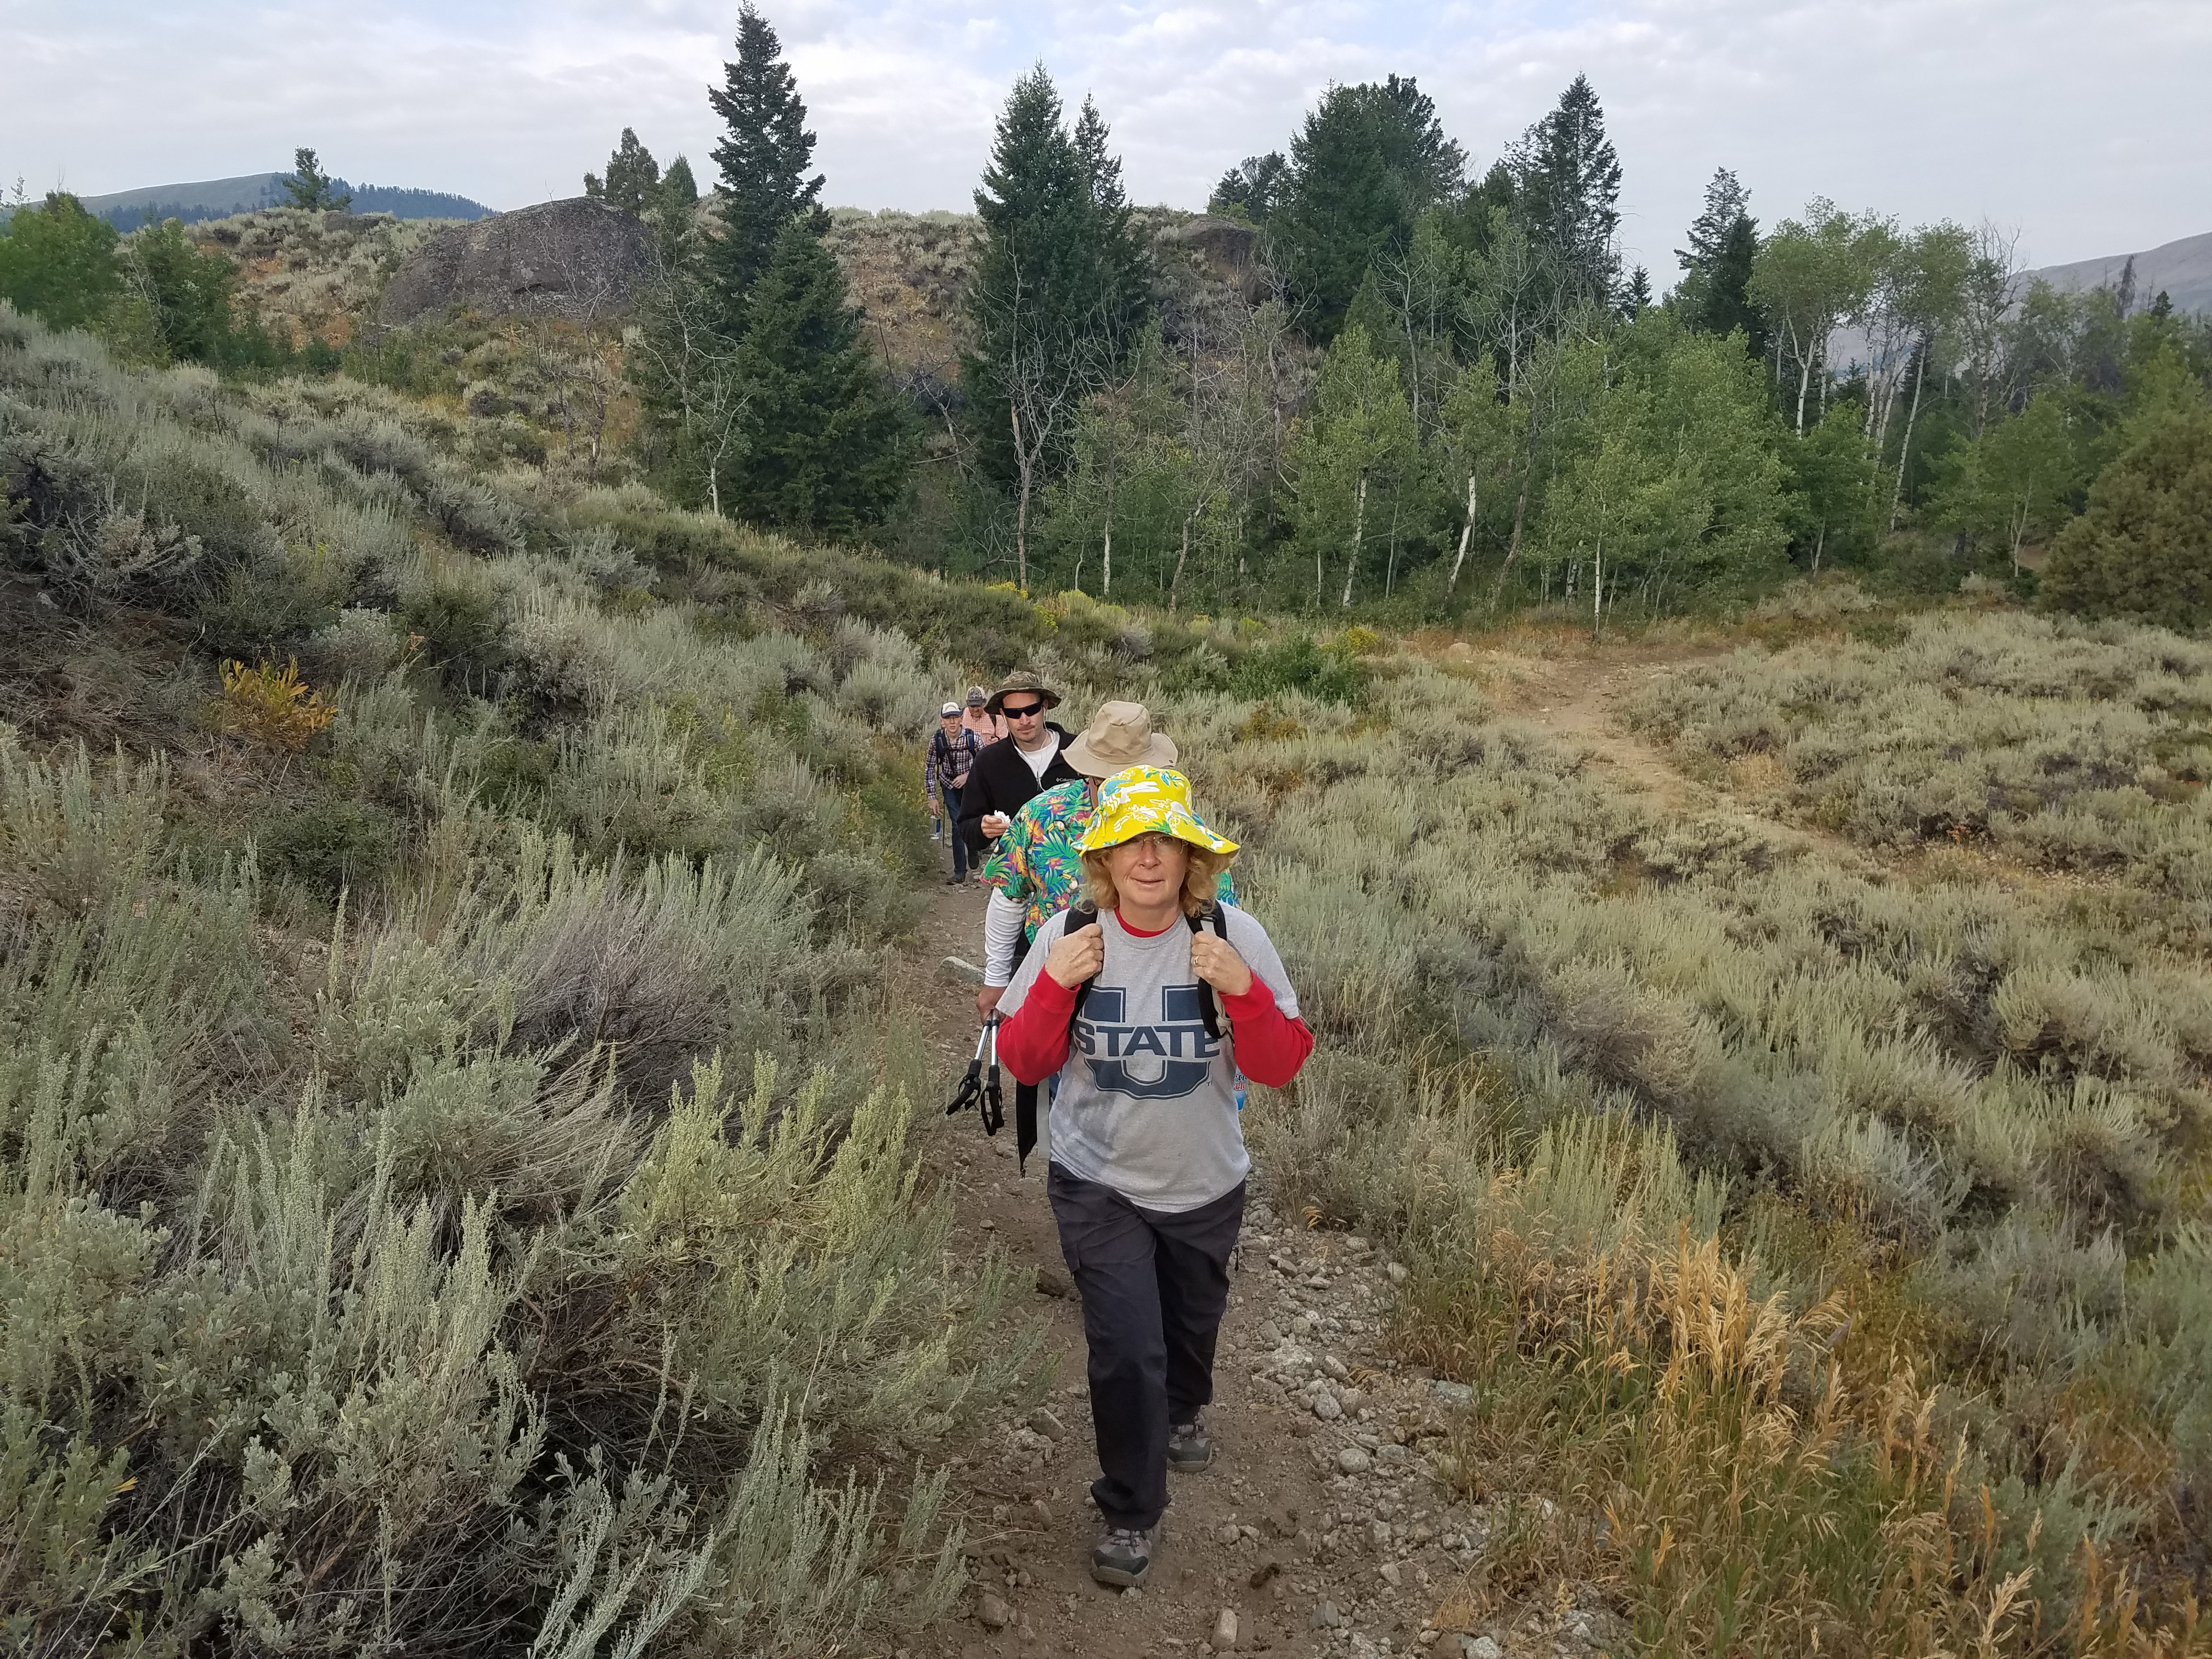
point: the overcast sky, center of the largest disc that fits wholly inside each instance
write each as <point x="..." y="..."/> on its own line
<point x="2079" y="124"/>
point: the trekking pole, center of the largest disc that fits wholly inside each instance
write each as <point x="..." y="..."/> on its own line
<point x="970" y="1092"/>
<point x="994" y="1104"/>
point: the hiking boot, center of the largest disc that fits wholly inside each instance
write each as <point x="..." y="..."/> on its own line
<point x="1190" y="1448"/>
<point x="1124" y="1555"/>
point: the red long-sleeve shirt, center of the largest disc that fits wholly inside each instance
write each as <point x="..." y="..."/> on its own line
<point x="1270" y="1047"/>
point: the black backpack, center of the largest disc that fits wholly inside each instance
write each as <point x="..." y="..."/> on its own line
<point x="980" y="1088"/>
<point x="1216" y="917"/>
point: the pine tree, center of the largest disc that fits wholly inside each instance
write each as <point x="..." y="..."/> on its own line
<point x="1716" y="265"/>
<point x="1636" y="293"/>
<point x="830" y="443"/>
<point x="678" y="192"/>
<point x="1249" y="190"/>
<point x="759" y="396"/>
<point x="1726" y="202"/>
<point x="763" y="157"/>
<point x="1062" y="289"/>
<point x="1117" y="250"/>
<point x="309" y="186"/>
<point x="1369" y="160"/>
<point x="633" y="177"/>
<point x="1568" y="181"/>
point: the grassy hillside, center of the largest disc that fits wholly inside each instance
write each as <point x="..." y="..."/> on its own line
<point x="454" y="1183"/>
<point x="1819" y="1224"/>
<point x="455" y="1187"/>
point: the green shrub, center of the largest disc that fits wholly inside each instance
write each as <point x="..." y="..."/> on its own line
<point x="330" y="846"/>
<point x="58" y="262"/>
<point x="2143" y="550"/>
<point x="1297" y="664"/>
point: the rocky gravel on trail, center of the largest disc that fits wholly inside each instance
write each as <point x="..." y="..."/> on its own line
<point x="1320" y="1529"/>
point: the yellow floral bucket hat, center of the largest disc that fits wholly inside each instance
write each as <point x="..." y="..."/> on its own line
<point x="1146" y="800"/>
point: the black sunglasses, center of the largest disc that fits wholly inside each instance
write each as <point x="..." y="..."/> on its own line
<point x="1023" y="713"/>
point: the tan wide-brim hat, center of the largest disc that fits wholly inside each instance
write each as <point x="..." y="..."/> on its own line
<point x="1120" y="736"/>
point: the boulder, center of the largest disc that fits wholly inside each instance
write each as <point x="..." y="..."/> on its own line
<point x="578" y="259"/>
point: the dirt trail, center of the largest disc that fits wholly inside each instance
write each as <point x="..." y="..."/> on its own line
<point x="1576" y="693"/>
<point x="1573" y="692"/>
<point x="1321" y="1534"/>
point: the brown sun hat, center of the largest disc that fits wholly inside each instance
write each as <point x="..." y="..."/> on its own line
<point x="1021" y="680"/>
<point x="1120" y="736"/>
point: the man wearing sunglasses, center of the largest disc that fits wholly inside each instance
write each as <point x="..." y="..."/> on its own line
<point x="1031" y="758"/>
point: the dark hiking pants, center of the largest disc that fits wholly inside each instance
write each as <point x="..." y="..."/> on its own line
<point x="952" y="824"/>
<point x="1154" y="1287"/>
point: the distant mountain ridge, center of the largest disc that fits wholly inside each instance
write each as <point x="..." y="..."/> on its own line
<point x="218" y="198"/>
<point x="2181" y="270"/>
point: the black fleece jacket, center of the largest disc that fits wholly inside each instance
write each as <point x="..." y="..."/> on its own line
<point x="1001" y="781"/>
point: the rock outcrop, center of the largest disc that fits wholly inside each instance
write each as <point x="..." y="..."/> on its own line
<point x="1230" y="250"/>
<point x="577" y="260"/>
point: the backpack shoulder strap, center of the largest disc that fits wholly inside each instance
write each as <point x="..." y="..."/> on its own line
<point x="1209" y="1011"/>
<point x="1079" y="916"/>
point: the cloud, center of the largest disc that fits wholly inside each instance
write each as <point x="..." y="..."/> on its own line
<point x="2077" y="125"/>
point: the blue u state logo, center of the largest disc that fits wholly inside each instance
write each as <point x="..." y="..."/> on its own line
<point x="1164" y="1062"/>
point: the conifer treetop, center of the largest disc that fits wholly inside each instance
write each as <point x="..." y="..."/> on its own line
<point x="763" y="154"/>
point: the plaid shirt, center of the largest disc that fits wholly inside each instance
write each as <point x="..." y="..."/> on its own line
<point x="1037" y="865"/>
<point x="948" y="758"/>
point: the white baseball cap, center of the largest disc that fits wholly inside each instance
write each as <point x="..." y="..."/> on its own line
<point x="949" y="709"/>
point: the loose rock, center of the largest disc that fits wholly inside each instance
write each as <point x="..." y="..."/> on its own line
<point x="1050" y="1281"/>
<point x="991" y="1613"/>
<point x="1325" y="1406"/>
<point x="1326" y="1617"/>
<point x="1043" y="1422"/>
<point x="1397" y="1272"/>
<point x="1480" y="1647"/>
<point x="1353" y="1460"/>
<point x="1225" y="1631"/>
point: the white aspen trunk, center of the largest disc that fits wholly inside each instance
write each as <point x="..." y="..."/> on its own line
<point x="1804" y="382"/>
<point x="1905" y="448"/>
<point x="1390" y="566"/>
<point x="1175" y="583"/>
<point x="1465" y="531"/>
<point x="1107" y="591"/>
<point x="1597" y="592"/>
<point x="1820" y="541"/>
<point x="1520" y="516"/>
<point x="1021" y="505"/>
<point x="1359" y="529"/>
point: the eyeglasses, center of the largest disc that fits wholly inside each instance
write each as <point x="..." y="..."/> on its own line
<point x="1023" y="713"/>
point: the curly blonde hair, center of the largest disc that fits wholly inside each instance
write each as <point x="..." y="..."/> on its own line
<point x="1201" y="879"/>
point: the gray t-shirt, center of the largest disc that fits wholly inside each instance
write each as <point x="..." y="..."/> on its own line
<point x="1147" y="1103"/>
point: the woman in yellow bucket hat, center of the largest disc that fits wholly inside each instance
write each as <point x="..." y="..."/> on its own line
<point x="1148" y="1000"/>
